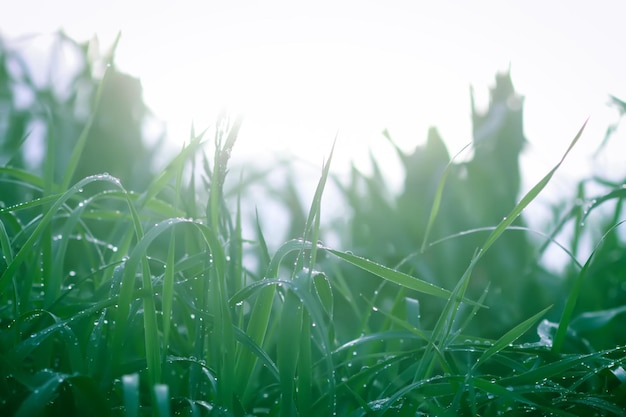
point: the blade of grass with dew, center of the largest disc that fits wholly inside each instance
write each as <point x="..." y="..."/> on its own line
<point x="442" y="332"/>
<point x="257" y="329"/>
<point x="493" y="388"/>
<point x="304" y="382"/>
<point x="35" y="403"/>
<point x="510" y="336"/>
<point x="151" y="330"/>
<point x="572" y="298"/>
<point x="168" y="277"/>
<point x="96" y="352"/>
<point x="258" y="352"/>
<point x="54" y="281"/>
<point x="394" y="276"/>
<point x="615" y="194"/>
<point x="235" y="252"/>
<point x="258" y="323"/>
<point x="30" y="204"/>
<point x="45" y="221"/>
<point x="312" y="226"/>
<point x="223" y="324"/>
<point x="50" y="281"/>
<point x="530" y="196"/>
<point x="288" y="351"/>
<point x="324" y="292"/>
<point x="137" y="257"/>
<point x="544" y="372"/>
<point x="60" y="329"/>
<point x="285" y="249"/>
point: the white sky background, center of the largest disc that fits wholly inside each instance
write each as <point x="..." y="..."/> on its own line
<point x="303" y="73"/>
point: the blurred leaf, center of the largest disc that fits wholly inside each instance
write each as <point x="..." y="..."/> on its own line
<point x="130" y="386"/>
<point x="42" y="396"/>
<point x="595" y="320"/>
<point x="162" y="399"/>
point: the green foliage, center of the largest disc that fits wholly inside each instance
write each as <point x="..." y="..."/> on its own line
<point x="135" y="296"/>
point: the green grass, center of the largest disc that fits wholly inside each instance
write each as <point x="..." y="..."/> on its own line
<point x="119" y="302"/>
<point x="145" y="311"/>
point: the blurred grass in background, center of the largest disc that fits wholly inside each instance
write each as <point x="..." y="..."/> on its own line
<point x="131" y="290"/>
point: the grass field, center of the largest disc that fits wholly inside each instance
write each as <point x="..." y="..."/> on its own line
<point x="154" y="300"/>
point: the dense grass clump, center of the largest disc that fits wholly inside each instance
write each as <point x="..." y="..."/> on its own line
<point x="152" y="299"/>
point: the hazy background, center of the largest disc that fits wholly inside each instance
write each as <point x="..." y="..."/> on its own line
<point x="303" y="74"/>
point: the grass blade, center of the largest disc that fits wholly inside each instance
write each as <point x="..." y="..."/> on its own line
<point x="394" y="276"/>
<point x="82" y="139"/>
<point x="530" y="196"/>
<point x="438" y="195"/>
<point x="510" y="336"/>
<point x="130" y="389"/>
<point x="30" y="243"/>
<point x="572" y="298"/>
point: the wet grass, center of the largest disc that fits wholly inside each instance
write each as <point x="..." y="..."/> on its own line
<point x="121" y="303"/>
<point x="157" y="302"/>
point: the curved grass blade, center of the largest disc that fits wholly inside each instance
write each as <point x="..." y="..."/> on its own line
<point x="30" y="243"/>
<point x="615" y="194"/>
<point x="394" y="276"/>
<point x="168" y="291"/>
<point x="24" y="176"/>
<point x="285" y="249"/>
<point x="36" y="402"/>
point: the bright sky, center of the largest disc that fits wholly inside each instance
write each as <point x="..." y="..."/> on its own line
<point x="303" y="73"/>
